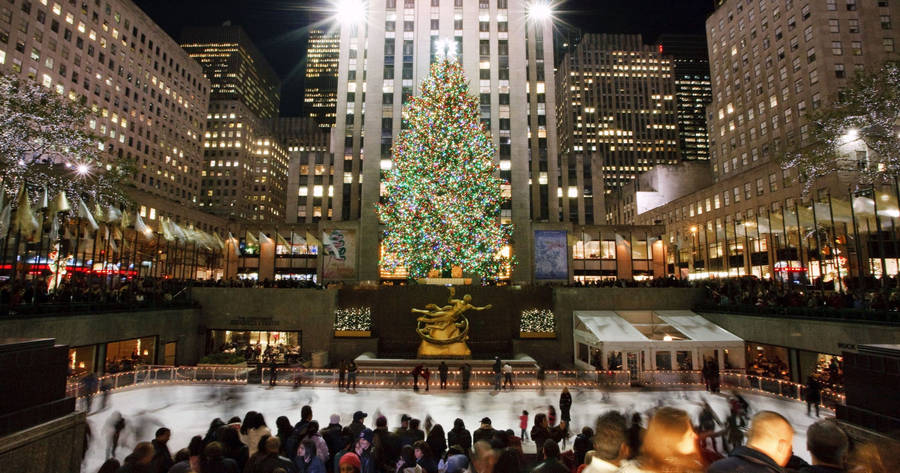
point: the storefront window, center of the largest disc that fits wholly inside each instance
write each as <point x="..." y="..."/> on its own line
<point x="767" y="361"/>
<point x="257" y="346"/>
<point x="583" y="352"/>
<point x="683" y="358"/>
<point x="81" y="360"/>
<point x="664" y="360"/>
<point x="614" y="361"/>
<point x="125" y="355"/>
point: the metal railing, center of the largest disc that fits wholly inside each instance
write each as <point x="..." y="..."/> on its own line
<point x="479" y="380"/>
<point x="848" y="315"/>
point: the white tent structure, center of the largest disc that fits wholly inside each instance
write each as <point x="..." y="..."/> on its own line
<point x="651" y="340"/>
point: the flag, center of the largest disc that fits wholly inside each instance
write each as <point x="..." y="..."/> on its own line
<point x="234" y="243"/>
<point x="220" y="244"/>
<point x="166" y="228"/>
<point x="113" y="214"/>
<point x="311" y="240"/>
<point x="4" y="220"/>
<point x="85" y="213"/>
<point x="24" y="221"/>
<point x="60" y="203"/>
<point x="54" y="228"/>
<point x="142" y="228"/>
<point x="44" y="200"/>
<point x="280" y="239"/>
<point x="125" y="222"/>
<point x="252" y="240"/>
<point x="263" y="239"/>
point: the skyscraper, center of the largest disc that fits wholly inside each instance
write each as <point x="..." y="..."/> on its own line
<point x="235" y="66"/>
<point x="618" y="118"/>
<point x="320" y="87"/>
<point x="245" y="174"/>
<point x="508" y="58"/>
<point x="693" y="91"/>
<point x="772" y="63"/>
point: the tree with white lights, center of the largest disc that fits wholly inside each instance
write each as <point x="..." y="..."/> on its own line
<point x="45" y="146"/>
<point x="866" y="112"/>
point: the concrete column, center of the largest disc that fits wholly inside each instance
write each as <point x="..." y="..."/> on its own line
<point x="100" y="359"/>
<point x="267" y="259"/>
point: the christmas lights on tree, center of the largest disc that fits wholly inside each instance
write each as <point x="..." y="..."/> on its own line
<point x="357" y="319"/>
<point x="537" y="321"/>
<point x="443" y="193"/>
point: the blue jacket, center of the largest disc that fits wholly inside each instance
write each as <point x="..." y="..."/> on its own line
<point x="744" y="459"/>
<point x="315" y="465"/>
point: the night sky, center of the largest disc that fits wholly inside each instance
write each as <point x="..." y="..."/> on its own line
<point x="278" y="27"/>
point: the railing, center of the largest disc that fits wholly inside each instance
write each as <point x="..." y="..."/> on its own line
<point x="53" y="309"/>
<point x="883" y="317"/>
<point x="150" y="375"/>
<point x="479" y="380"/>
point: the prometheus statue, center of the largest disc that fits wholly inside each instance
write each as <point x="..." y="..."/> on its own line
<point x="445" y="330"/>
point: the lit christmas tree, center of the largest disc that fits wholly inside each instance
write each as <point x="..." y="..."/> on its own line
<point x="443" y="194"/>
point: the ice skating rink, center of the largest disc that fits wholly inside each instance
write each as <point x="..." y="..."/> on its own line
<point x="189" y="409"/>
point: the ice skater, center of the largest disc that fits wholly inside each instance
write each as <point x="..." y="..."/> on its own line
<point x="426" y="375"/>
<point x="342" y="374"/>
<point x="442" y="371"/>
<point x="507" y="375"/>
<point x="523" y="424"/>
<point x="813" y="394"/>
<point x="351" y="375"/>
<point x="273" y="374"/>
<point x="498" y="368"/>
<point x="416" y="372"/>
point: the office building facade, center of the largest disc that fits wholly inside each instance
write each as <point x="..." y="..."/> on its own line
<point x="320" y="85"/>
<point x="149" y="97"/>
<point x="693" y="91"/>
<point x="617" y="118"/>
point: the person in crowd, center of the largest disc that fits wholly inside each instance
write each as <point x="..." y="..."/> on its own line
<point x="283" y="429"/>
<point x="457" y="463"/>
<point x="402" y="432"/>
<point x="541" y="432"/>
<point x="252" y="430"/>
<point x="110" y="466"/>
<point x="232" y="446"/>
<point x="386" y="446"/>
<point x="162" y="458"/>
<point x="349" y="463"/>
<point x="583" y="443"/>
<point x="610" y="444"/>
<point x="437" y="441"/>
<point x="551" y="415"/>
<point x="875" y="456"/>
<point x="213" y="460"/>
<point x="459" y="436"/>
<point x="443" y="369"/>
<point x="509" y="460"/>
<point x="669" y="445"/>
<point x="139" y="460"/>
<point x="828" y="446"/>
<point x="312" y="433"/>
<point x="635" y="433"/>
<point x="416" y="372"/>
<point x="813" y="394"/>
<point x="332" y="436"/>
<point x="406" y="463"/>
<point x="308" y="459"/>
<point x="188" y="459"/>
<point x="551" y="462"/>
<point x="415" y="433"/>
<point x="768" y="449"/>
<point x="485" y="432"/>
<point x="523" y="424"/>
<point x="483" y="457"/>
<point x="268" y="459"/>
<point x="356" y="427"/>
<point x="273" y="371"/>
<point x="213" y="428"/>
<point x="298" y="433"/>
<point x="342" y="374"/>
<point x="497" y="368"/>
<point x="424" y="457"/>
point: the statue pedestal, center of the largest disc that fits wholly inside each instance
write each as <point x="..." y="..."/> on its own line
<point x="451" y="350"/>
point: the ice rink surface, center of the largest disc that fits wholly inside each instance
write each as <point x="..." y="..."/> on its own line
<point x="189" y="409"/>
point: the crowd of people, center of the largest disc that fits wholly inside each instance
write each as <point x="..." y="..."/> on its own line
<point x="663" y="440"/>
<point x="32" y="295"/>
<point x="862" y="294"/>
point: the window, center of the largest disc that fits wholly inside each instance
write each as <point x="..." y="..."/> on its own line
<point x="748" y="191"/>
<point x="836" y="48"/>
<point x="888" y="44"/>
<point x="808" y="33"/>
<point x="885" y="22"/>
<point x="773" y="182"/>
<point x="834" y="25"/>
<point x="811" y="55"/>
<point x="839" y="71"/>
<point x="737" y="194"/>
<point x="851" y="5"/>
<point x="831" y="5"/>
<point x="853" y="26"/>
<point x="760" y="189"/>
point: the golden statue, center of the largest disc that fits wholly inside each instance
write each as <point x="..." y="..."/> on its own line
<point x="445" y="330"/>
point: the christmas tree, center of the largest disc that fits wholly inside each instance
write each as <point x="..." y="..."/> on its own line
<point x="441" y="207"/>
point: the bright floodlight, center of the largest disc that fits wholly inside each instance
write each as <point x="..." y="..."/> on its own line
<point x="350" y="12"/>
<point x="540" y="10"/>
<point x="82" y="169"/>
<point x="850" y="136"/>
